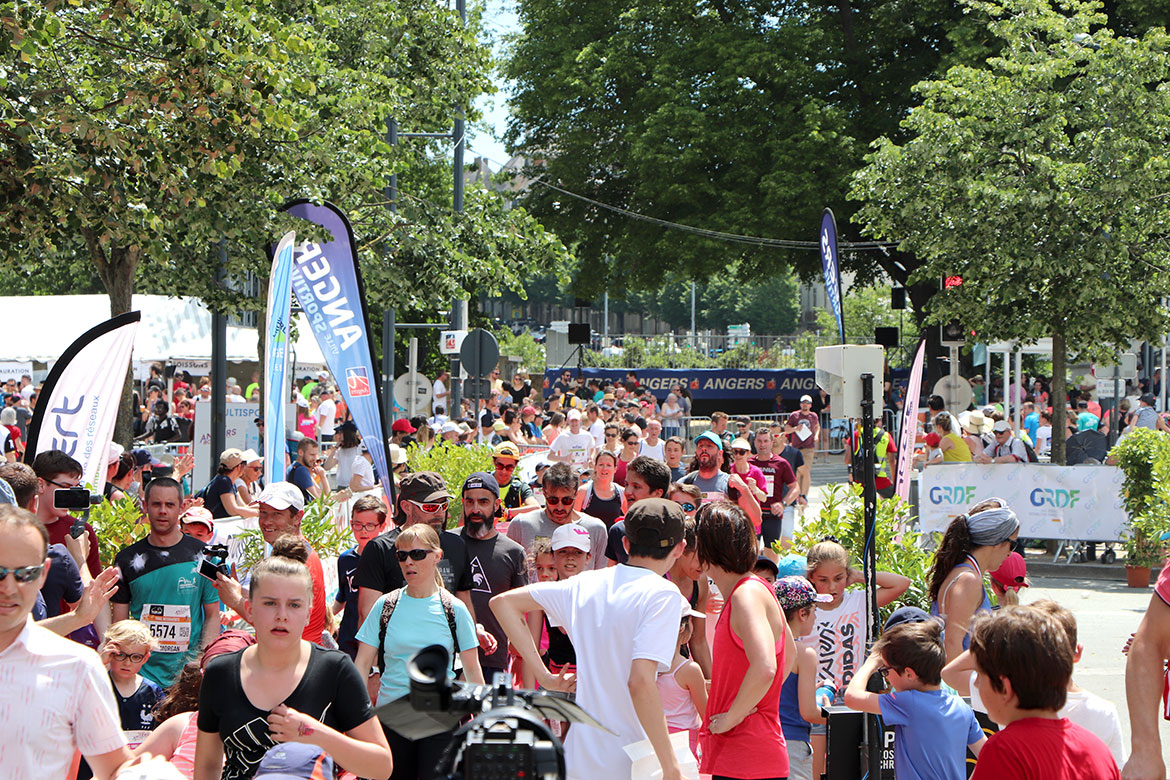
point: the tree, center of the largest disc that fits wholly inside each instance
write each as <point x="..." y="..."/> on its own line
<point x="867" y="308"/>
<point x="1040" y="179"/>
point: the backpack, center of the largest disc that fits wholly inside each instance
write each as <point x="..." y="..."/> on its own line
<point x="1032" y="457"/>
<point x="391" y="604"/>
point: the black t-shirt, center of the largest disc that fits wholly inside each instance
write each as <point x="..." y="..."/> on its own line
<point x="497" y="565"/>
<point x="518" y="396"/>
<point x="378" y="567"/>
<point x="793" y="456"/>
<point x="213" y="496"/>
<point x="331" y="690"/>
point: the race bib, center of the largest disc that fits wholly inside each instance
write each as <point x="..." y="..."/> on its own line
<point x="770" y="484"/>
<point x="170" y="625"/>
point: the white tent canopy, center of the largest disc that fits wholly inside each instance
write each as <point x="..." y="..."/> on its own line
<point x="171" y="328"/>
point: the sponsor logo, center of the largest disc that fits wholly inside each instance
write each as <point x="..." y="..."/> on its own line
<point x="1055" y="497"/>
<point x="358" y="381"/>
<point x="952" y="494"/>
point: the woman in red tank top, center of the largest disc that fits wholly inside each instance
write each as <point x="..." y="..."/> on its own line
<point x="741" y="738"/>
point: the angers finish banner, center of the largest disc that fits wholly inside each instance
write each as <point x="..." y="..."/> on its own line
<point x="79" y="403"/>
<point x="708" y="383"/>
<point x="328" y="285"/>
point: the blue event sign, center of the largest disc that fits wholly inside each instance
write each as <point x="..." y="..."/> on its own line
<point x="708" y="383"/>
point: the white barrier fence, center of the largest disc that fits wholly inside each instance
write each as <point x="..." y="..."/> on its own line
<point x="1052" y="502"/>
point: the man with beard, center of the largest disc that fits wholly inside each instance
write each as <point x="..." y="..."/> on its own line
<point x="498" y="564"/>
<point x="708" y="475"/>
<point x="559" y="483"/>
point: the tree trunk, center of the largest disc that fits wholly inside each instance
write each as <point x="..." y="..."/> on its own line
<point x="1059" y="397"/>
<point x="116" y="266"/>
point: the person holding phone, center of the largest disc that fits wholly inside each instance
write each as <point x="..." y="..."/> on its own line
<point x="161" y="586"/>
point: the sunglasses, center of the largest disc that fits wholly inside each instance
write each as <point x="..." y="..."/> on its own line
<point x="687" y="506"/>
<point x="22" y="573"/>
<point x="611" y="435"/>
<point x="441" y="507"/>
<point x="365" y="526"/>
<point x="564" y="500"/>
<point x="131" y="657"/>
<point x="505" y="466"/>
<point x="414" y="555"/>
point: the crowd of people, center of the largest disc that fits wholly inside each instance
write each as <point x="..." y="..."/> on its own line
<point x="667" y="597"/>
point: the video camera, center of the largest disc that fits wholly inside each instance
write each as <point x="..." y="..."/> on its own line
<point x="507" y="738"/>
<point x="214" y="561"/>
<point x="76" y="499"/>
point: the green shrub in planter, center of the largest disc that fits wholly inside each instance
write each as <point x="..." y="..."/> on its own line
<point x="454" y="464"/>
<point x="1143" y="456"/>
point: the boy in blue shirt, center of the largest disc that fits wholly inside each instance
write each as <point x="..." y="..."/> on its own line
<point x="932" y="728"/>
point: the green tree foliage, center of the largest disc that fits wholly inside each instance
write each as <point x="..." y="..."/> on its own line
<point x="1041" y="179"/>
<point x="147" y="136"/>
<point x="867" y="308"/>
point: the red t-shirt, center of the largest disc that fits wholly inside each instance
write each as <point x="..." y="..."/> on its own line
<point x="60" y="529"/>
<point x="317" y="614"/>
<point x="1045" y="749"/>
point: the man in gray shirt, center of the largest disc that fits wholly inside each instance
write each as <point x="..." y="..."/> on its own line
<point x="559" y="484"/>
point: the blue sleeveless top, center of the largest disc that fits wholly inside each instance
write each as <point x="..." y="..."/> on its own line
<point x="984" y="606"/>
<point x="795" y="728"/>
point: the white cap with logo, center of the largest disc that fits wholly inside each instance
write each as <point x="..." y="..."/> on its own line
<point x="282" y="495"/>
<point x="571" y="535"/>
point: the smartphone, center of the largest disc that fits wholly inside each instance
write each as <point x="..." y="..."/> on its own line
<point x="73" y="498"/>
<point x="209" y="569"/>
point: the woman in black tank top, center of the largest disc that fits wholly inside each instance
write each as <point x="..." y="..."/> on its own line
<point x="601" y="498"/>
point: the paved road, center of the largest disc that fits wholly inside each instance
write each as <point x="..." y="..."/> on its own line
<point x="1107" y="613"/>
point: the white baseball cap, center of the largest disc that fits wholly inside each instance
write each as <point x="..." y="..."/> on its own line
<point x="574" y="414"/>
<point x="282" y="495"/>
<point x="571" y="535"/>
<point x="114" y="453"/>
<point x="249" y="456"/>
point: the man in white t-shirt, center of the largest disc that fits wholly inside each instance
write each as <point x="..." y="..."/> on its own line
<point x="652" y="446"/>
<point x="574" y="446"/>
<point x="595" y="425"/>
<point x="55" y="694"/>
<point x="623" y="621"/>
<point x="439" y="394"/>
<point x="326" y="415"/>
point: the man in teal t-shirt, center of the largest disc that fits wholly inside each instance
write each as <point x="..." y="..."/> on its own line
<point x="161" y="586"/>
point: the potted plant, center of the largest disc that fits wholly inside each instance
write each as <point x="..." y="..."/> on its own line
<point x="1144" y="458"/>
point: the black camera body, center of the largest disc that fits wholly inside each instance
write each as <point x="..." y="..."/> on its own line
<point x="507" y="738"/>
<point x="76" y="499"/>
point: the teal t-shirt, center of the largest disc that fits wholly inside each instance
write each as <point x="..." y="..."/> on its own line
<point x="165" y="591"/>
<point x="415" y="624"/>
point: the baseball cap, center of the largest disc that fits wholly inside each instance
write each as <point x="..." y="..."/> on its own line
<point x="402" y="425"/>
<point x="198" y="514"/>
<point x="481" y="480"/>
<point x="905" y="615"/>
<point x="768" y="564"/>
<point x="1001" y="426"/>
<point x="114" y="453"/>
<point x="792" y="565"/>
<point x="933" y="439"/>
<point x="348" y="425"/>
<point x="798" y="593"/>
<point x="506" y="450"/>
<point x="449" y="427"/>
<point x="231" y="457"/>
<point x="295" y="761"/>
<point x="574" y="414"/>
<point x="1147" y="398"/>
<point x="425" y="487"/>
<point x="302" y="401"/>
<point x="711" y="437"/>
<point x="282" y="495"/>
<point x="806" y="399"/>
<point x="528" y="410"/>
<point x="143" y="458"/>
<point x="571" y="535"/>
<point x="743" y="419"/>
<point x="249" y="456"/>
<point x="1012" y="573"/>
<point x="499" y="425"/>
<point x="655" y="522"/>
<point x="741" y="444"/>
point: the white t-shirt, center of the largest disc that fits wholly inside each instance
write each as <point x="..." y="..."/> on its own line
<point x="839" y="637"/>
<point x="575" y="445"/>
<point x="656" y="451"/>
<point x="438" y="396"/>
<point x="1099" y="716"/>
<point x="326" y="418"/>
<point x="350" y="462"/>
<point x="597" y="431"/>
<point x="613" y="616"/>
<point x="364" y="470"/>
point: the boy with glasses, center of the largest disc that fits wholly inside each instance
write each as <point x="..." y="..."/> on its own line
<point x="367" y="521"/>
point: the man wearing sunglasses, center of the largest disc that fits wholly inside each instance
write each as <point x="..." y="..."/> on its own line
<point x="515" y="496"/>
<point x="55" y="695"/>
<point x="559" y="484"/>
<point x="422" y="498"/>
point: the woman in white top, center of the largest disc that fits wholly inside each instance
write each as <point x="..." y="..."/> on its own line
<point x="671" y="415"/>
<point x="354" y="472"/>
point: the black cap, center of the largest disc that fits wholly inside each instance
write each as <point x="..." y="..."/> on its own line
<point x="1148" y="399"/>
<point x="767" y="563"/>
<point x="481" y="480"/>
<point x="655" y="522"/>
<point x="423" y="486"/>
<point x="905" y="615"/>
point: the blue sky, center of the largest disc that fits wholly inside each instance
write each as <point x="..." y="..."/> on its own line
<point x="499" y="19"/>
